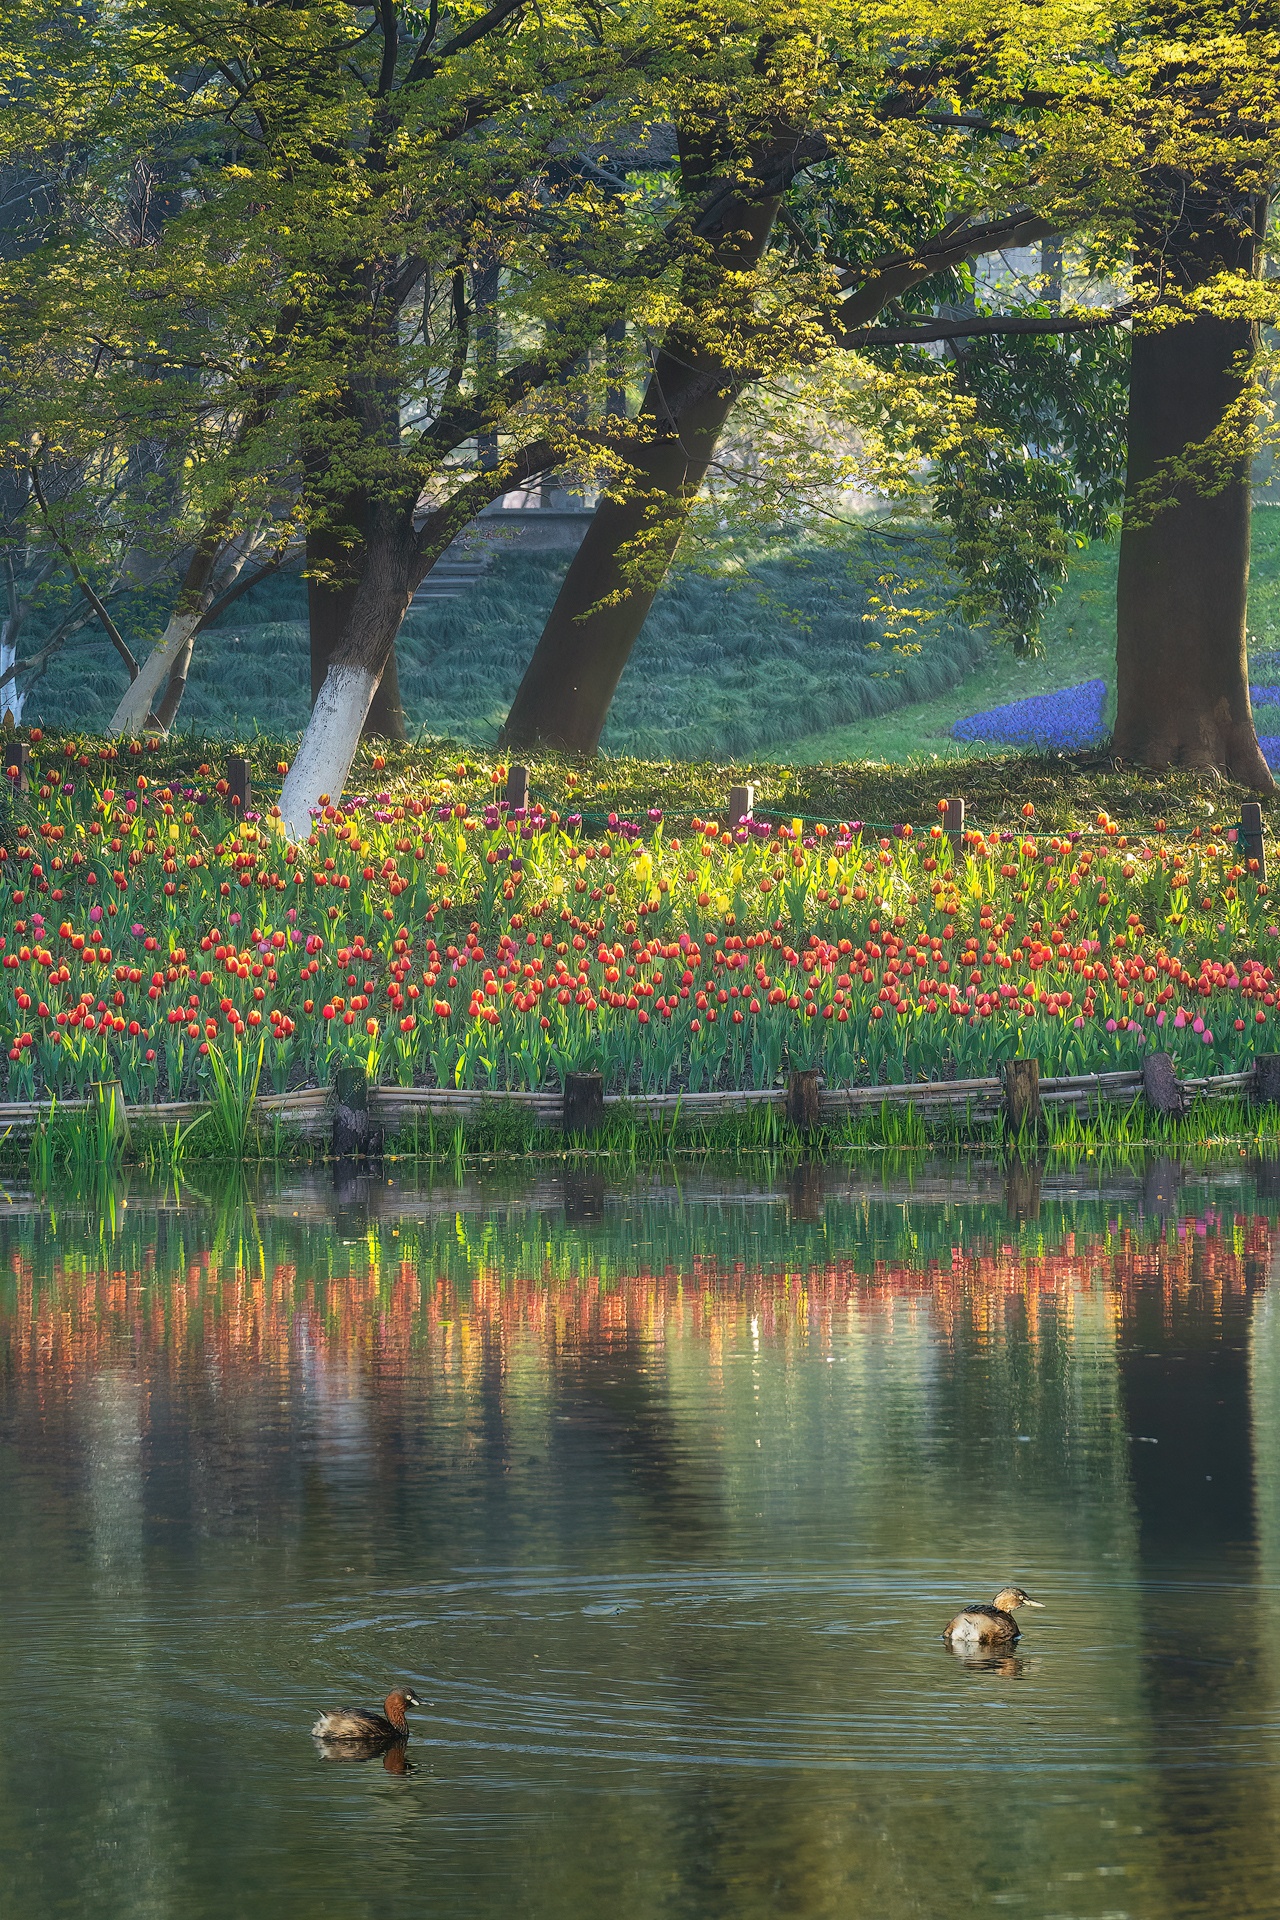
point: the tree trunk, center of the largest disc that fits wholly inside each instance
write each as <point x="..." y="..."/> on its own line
<point x="134" y="710"/>
<point x="1182" y="677"/>
<point x="564" y="697"/>
<point x="166" y="709"/>
<point x="328" y="610"/>
<point x="390" y="570"/>
<point x="395" y="556"/>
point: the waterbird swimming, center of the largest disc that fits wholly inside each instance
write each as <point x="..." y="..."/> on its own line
<point x="993" y="1626"/>
<point x="358" y="1727"/>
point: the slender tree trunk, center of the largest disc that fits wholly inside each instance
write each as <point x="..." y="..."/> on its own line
<point x="166" y="708"/>
<point x="134" y="710"/>
<point x="1182" y="675"/>
<point x="173" y="649"/>
<point x="564" y="697"/>
<point x="328" y="611"/>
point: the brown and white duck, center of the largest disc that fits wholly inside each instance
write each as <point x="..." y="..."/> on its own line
<point x="993" y="1626"/>
<point x="359" y="1727"/>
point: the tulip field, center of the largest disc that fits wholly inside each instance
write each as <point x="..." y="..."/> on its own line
<point x="151" y="936"/>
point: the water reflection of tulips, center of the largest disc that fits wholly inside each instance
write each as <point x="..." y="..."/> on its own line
<point x="433" y="937"/>
<point x="391" y="1308"/>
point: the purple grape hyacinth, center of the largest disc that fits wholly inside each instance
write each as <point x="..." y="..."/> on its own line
<point x="1066" y="720"/>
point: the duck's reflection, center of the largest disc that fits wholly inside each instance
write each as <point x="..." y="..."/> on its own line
<point x="394" y="1755"/>
<point x="1009" y="1666"/>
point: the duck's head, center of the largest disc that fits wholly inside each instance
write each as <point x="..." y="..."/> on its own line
<point x="401" y="1698"/>
<point x="1009" y="1599"/>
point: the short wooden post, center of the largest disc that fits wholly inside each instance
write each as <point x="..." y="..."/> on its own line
<point x="583" y="1102"/>
<point x="742" y="804"/>
<point x="354" y="1133"/>
<point x="107" y="1097"/>
<point x="1266" y="1080"/>
<point x="802" y="1099"/>
<point x="517" y="790"/>
<point x="953" y="826"/>
<point x="239" y="784"/>
<point x="1251" y="844"/>
<point x="1161" y="1085"/>
<point x="1021" y="1094"/>
<point x="17" y="765"/>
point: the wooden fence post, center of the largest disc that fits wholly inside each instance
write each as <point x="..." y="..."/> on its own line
<point x="517" y="795"/>
<point x="1251" y="843"/>
<point x="953" y="826"/>
<point x="239" y="784"/>
<point x="802" y="1099"/>
<point x="1266" y="1079"/>
<point x="583" y="1102"/>
<point x="742" y="804"/>
<point x="354" y="1134"/>
<point x="1021" y="1094"/>
<point x="17" y="765"/>
<point x="1161" y="1085"/>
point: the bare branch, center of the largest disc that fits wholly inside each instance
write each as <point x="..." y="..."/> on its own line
<point x="113" y="632"/>
<point x="921" y="333"/>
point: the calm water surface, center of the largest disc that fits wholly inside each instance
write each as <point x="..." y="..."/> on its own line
<point x="659" y="1496"/>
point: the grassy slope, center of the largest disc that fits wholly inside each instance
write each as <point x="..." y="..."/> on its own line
<point x="774" y="667"/>
<point x="1079" y="644"/>
<point x="724" y="665"/>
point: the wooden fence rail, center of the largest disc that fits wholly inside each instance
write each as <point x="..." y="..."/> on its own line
<point x="308" y="1113"/>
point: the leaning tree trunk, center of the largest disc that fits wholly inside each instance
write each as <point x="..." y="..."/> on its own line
<point x="1182" y="677"/>
<point x="564" y="697"/>
<point x="328" y="610"/>
<point x="172" y="652"/>
<point x="395" y="556"/>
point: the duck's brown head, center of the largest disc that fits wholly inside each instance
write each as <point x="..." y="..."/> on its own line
<point x="1009" y="1599"/>
<point x="395" y="1705"/>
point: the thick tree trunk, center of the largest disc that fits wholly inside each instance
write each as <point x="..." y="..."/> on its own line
<point x="394" y="558"/>
<point x="390" y="570"/>
<point x="328" y="610"/>
<point x="564" y="697"/>
<point x="1182" y="677"/>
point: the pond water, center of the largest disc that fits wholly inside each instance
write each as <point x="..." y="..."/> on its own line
<point x="659" y="1494"/>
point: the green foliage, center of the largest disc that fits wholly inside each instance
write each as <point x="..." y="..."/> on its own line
<point x="1041" y="474"/>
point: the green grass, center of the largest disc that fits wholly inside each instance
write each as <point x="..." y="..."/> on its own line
<point x="727" y="664"/>
<point x="1079" y="643"/>
<point x="72" y="1145"/>
<point x="770" y="663"/>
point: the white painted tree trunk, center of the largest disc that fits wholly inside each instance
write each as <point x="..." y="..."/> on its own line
<point x="328" y="746"/>
<point x="11" y="701"/>
<point x="131" y="715"/>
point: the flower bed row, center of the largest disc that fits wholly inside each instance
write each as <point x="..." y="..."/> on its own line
<point x="433" y="940"/>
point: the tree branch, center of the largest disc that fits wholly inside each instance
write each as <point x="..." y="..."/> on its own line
<point x="219" y="606"/>
<point x="921" y="333"/>
<point x="113" y="632"/>
<point x="425" y="62"/>
<point x="885" y="281"/>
